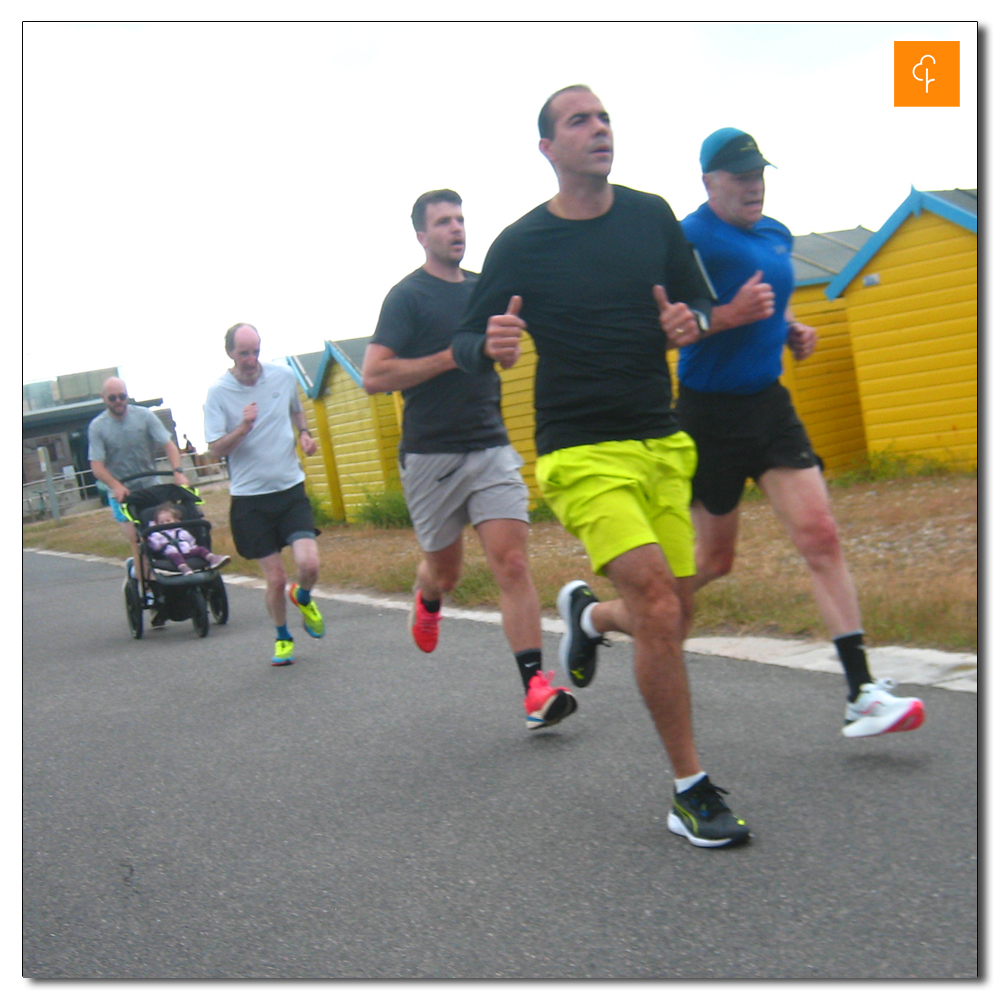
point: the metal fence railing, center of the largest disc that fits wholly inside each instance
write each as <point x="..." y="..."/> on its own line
<point x="63" y="494"/>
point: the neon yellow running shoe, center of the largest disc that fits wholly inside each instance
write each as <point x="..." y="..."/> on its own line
<point x="312" y="620"/>
<point x="283" y="653"/>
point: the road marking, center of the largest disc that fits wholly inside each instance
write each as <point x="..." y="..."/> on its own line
<point x="930" y="667"/>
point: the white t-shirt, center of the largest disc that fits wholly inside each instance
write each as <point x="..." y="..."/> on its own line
<point x="265" y="460"/>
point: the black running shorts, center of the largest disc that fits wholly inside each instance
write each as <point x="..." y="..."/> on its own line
<point x="266" y="523"/>
<point x="740" y="438"/>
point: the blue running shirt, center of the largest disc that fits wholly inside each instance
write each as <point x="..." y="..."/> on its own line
<point x="745" y="359"/>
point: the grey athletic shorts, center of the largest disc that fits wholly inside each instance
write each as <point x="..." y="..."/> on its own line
<point x="445" y="492"/>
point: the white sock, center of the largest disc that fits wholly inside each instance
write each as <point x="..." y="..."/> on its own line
<point x="683" y="784"/>
<point x="587" y="623"/>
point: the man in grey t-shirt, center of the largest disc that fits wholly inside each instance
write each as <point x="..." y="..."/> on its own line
<point x="253" y="417"/>
<point x="122" y="442"/>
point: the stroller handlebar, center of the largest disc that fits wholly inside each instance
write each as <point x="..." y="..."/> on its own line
<point x="146" y="475"/>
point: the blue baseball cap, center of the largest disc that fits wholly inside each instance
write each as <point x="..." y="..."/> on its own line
<point x="731" y="149"/>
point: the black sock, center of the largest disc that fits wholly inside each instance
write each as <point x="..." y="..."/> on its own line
<point x="432" y="606"/>
<point x="529" y="662"/>
<point x="851" y="650"/>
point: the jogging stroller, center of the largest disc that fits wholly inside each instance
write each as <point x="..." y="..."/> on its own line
<point x="167" y="595"/>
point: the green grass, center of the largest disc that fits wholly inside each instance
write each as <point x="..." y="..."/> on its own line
<point x="889" y="464"/>
<point x="476" y="586"/>
<point x="386" y="509"/>
<point x="880" y="466"/>
<point x="321" y="514"/>
<point x="541" y="512"/>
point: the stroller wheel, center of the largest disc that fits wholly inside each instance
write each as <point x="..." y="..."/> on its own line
<point x="133" y="607"/>
<point x="218" y="601"/>
<point x="199" y="612"/>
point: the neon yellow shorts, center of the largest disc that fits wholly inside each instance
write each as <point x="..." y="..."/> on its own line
<point x="618" y="495"/>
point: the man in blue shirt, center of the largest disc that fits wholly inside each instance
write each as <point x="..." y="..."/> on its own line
<point x="743" y="422"/>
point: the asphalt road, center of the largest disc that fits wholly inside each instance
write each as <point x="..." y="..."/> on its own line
<point x="372" y="812"/>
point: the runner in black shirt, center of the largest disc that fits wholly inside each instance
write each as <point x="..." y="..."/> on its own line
<point x="599" y="276"/>
<point x="456" y="463"/>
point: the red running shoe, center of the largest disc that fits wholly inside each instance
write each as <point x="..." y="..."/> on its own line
<point x="424" y="625"/>
<point x="546" y="705"/>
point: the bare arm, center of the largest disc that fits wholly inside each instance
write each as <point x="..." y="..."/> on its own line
<point x="306" y="441"/>
<point x="754" y="301"/>
<point x="802" y="339"/>
<point x="383" y="371"/>
<point x="118" y="490"/>
<point x="503" y="334"/>
<point x="222" y="446"/>
<point x="174" y="457"/>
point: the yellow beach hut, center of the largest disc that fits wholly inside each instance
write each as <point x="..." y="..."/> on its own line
<point x="823" y="387"/>
<point x="358" y="433"/>
<point x="911" y="299"/>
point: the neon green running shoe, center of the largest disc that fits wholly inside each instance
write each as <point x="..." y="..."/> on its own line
<point x="283" y="653"/>
<point x="312" y="620"/>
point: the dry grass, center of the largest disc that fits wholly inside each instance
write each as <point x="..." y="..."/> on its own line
<point x="911" y="543"/>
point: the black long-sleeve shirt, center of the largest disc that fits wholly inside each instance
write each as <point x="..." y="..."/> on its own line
<point x="587" y="287"/>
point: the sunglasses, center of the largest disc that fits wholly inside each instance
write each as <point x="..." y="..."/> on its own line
<point x="115" y="396"/>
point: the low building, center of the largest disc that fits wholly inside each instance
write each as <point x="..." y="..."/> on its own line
<point x="60" y="427"/>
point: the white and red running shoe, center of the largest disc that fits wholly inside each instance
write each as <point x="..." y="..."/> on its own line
<point x="876" y="711"/>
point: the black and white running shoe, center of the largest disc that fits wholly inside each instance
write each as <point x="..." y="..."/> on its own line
<point x="703" y="817"/>
<point x="577" y="650"/>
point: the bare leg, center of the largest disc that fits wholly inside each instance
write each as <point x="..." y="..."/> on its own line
<point x="655" y="609"/>
<point x="715" y="543"/>
<point x="439" y="572"/>
<point x="273" y="569"/>
<point x="505" y="542"/>
<point x="800" y="499"/>
<point x="305" y="553"/>
<point x="128" y="530"/>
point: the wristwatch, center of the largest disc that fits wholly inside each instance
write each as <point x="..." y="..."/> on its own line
<point x="177" y="468"/>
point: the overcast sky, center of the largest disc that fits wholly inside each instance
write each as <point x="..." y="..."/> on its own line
<point x="182" y="177"/>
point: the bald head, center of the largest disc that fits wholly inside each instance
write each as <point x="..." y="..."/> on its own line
<point x="243" y="346"/>
<point x="115" y="396"/>
<point x="231" y="335"/>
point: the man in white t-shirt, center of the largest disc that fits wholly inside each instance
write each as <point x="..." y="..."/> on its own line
<point x="253" y="418"/>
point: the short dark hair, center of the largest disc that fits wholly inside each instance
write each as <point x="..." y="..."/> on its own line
<point x="546" y="123"/>
<point x="419" y="214"/>
<point x="231" y="335"/>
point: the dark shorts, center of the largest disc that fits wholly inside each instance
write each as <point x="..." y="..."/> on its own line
<point x="266" y="523"/>
<point x="740" y="438"/>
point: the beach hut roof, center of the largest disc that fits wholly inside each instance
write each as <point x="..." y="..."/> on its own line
<point x="820" y="257"/>
<point x="310" y="369"/>
<point x="959" y="205"/>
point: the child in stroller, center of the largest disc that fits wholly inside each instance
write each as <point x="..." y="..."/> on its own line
<point x="168" y="592"/>
<point x="177" y="543"/>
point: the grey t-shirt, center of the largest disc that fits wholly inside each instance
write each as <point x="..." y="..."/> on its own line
<point x="127" y="446"/>
<point x="265" y="460"/>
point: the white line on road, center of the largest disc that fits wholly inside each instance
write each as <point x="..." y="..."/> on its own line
<point x="953" y="671"/>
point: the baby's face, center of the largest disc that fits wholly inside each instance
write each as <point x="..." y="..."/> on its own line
<point x="166" y="517"/>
